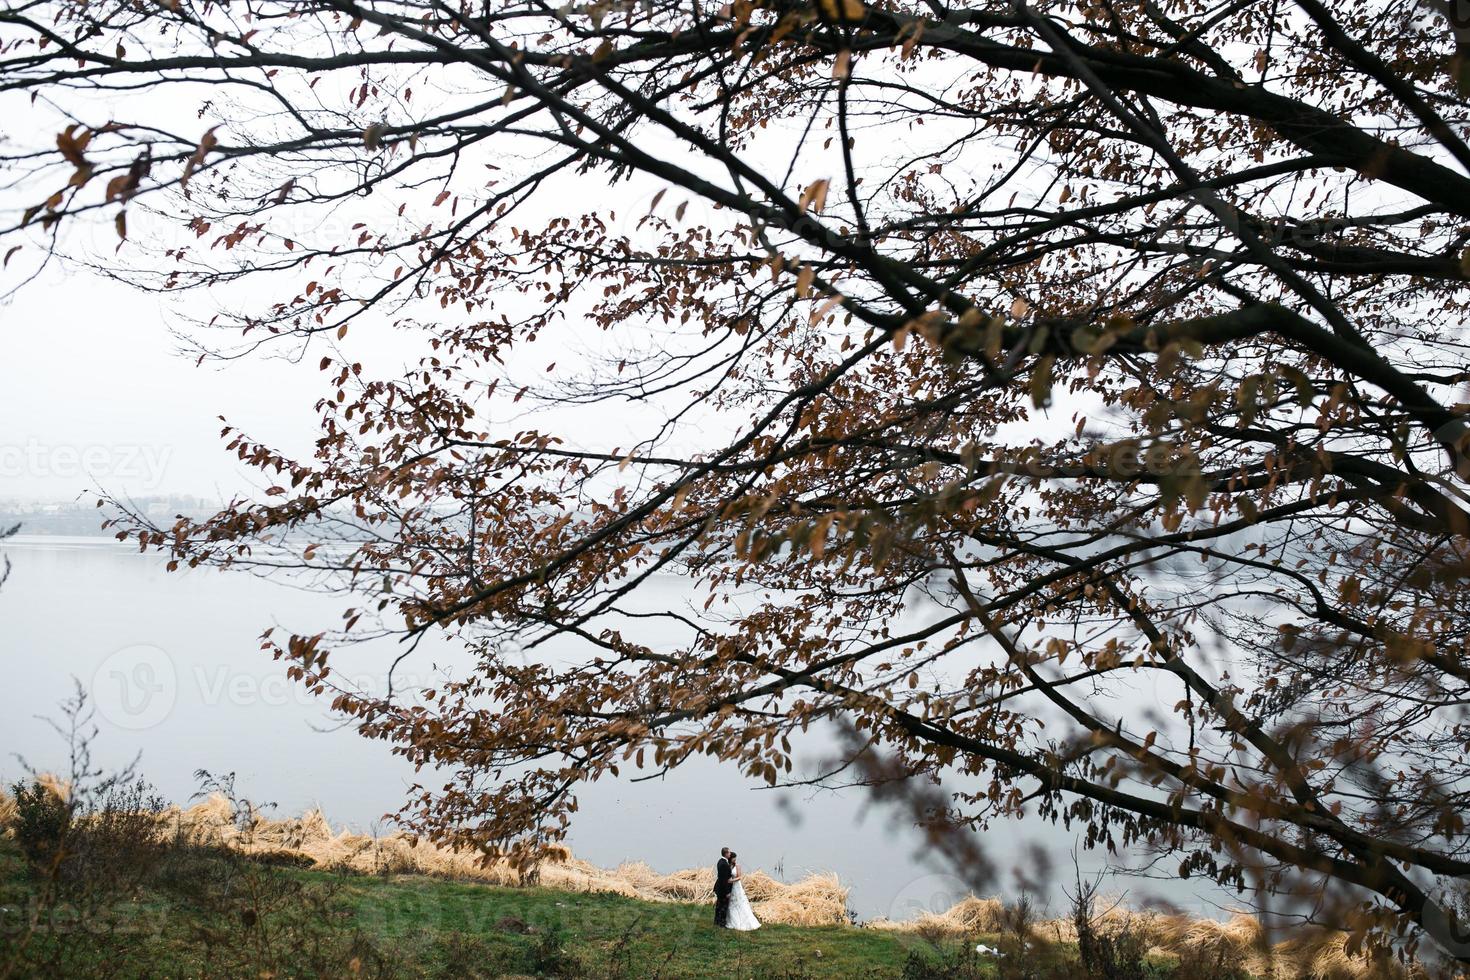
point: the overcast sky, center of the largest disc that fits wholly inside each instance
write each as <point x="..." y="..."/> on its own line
<point x="96" y="388"/>
<point x="93" y="392"/>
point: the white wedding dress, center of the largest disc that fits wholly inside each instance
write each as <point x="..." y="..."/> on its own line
<point x="741" y="916"/>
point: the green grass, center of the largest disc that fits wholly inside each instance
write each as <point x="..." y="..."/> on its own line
<point x="200" y="919"/>
<point x="674" y="939"/>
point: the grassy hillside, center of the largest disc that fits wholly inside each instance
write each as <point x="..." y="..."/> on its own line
<point x="652" y="938"/>
<point x="208" y="913"/>
<point x="131" y="887"/>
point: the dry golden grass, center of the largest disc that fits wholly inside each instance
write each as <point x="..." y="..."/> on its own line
<point x="815" y="900"/>
<point x="1241" y="940"/>
<point x="969" y="915"/>
<point x="7" y="814"/>
<point x="59" y="787"/>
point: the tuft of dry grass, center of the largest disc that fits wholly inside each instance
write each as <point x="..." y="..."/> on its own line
<point x="58" y="787"/>
<point x="8" y="813"/>
<point x="968" y="916"/>
<point x="1238" y="940"/>
<point x="816" y="900"/>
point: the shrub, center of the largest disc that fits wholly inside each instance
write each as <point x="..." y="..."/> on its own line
<point x="1116" y="951"/>
<point x="548" y="956"/>
<point x="89" y="843"/>
<point x="93" y="845"/>
<point x="41" y="824"/>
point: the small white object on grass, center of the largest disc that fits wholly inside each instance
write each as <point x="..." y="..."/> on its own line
<point x="985" y="950"/>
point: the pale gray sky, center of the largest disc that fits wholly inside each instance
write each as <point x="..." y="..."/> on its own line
<point x="93" y="391"/>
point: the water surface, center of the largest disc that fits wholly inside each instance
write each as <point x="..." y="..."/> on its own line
<point x="173" y="664"/>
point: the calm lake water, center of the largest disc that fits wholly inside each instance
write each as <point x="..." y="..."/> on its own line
<point x="173" y="664"/>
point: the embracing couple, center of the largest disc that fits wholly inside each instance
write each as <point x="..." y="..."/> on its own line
<point x="732" y="908"/>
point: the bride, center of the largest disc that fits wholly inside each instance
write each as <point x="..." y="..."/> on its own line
<point x="742" y="916"/>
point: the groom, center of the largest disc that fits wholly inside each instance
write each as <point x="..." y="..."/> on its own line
<point x="723" y="887"/>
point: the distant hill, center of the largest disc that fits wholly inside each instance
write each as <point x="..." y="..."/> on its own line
<point x="84" y="517"/>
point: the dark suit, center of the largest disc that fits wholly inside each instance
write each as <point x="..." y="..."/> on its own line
<point x="723" y="887"/>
